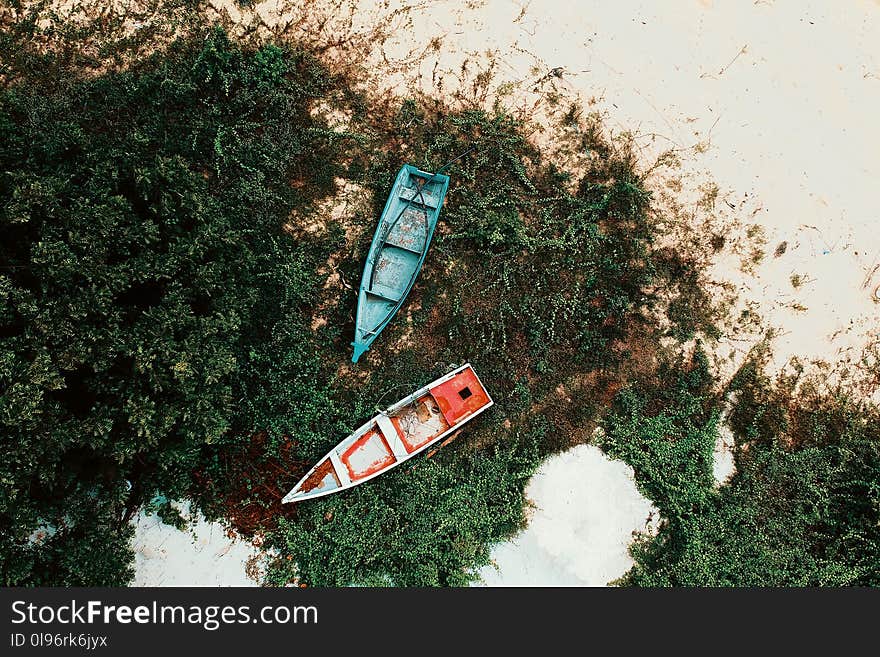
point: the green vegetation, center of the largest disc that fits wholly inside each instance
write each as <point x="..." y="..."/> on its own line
<point x="163" y="263"/>
<point x="176" y="311"/>
<point x="667" y="435"/>
<point x="151" y="304"/>
<point x="802" y="509"/>
<point x="428" y="524"/>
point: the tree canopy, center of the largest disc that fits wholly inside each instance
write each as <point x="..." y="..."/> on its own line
<point x="148" y="294"/>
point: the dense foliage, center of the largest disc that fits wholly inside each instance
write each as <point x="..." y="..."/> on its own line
<point x="802" y="510"/>
<point x="667" y="435"/>
<point x="430" y="523"/>
<point x="149" y="296"/>
<point x="162" y="266"/>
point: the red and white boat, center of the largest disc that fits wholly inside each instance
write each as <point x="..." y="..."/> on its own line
<point x="406" y="429"/>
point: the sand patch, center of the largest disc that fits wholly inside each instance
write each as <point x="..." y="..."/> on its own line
<point x="204" y="555"/>
<point x="723" y="463"/>
<point x="775" y="138"/>
<point x="586" y="510"/>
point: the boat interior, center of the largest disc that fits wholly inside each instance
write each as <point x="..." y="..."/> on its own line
<point x="386" y="441"/>
<point x="406" y="227"/>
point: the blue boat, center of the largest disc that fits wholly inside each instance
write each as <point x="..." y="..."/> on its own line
<point x="398" y="250"/>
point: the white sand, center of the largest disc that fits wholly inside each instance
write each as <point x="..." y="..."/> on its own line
<point x="723" y="459"/>
<point x="774" y="102"/>
<point x="723" y="464"/>
<point x="586" y="510"/>
<point x="202" y="556"/>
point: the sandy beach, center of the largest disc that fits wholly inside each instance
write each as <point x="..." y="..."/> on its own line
<point x="767" y="107"/>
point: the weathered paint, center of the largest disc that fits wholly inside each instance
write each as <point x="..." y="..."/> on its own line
<point x="398" y="251"/>
<point x="414" y="424"/>
<point x="460" y="397"/>
<point x="369" y="454"/>
<point x="418" y="428"/>
<point x="322" y="478"/>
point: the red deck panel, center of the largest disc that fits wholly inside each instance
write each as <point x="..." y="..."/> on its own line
<point x="450" y="399"/>
<point x="375" y="466"/>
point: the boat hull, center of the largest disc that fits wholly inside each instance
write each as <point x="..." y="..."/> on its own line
<point x="397" y="251"/>
<point x="403" y="431"/>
